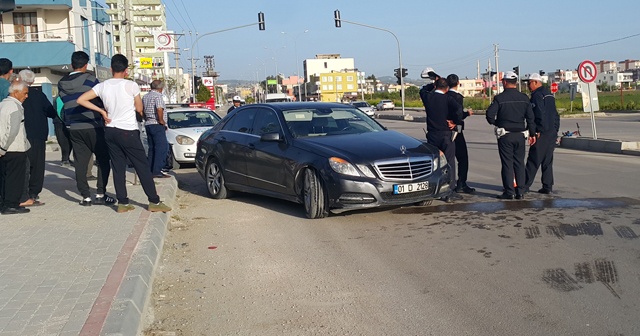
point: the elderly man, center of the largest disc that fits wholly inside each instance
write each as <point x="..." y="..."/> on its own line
<point x="156" y="127"/>
<point x="37" y="108"/>
<point x="547" y="126"/>
<point x="13" y="149"/>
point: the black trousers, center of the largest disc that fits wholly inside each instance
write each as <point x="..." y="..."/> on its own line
<point x="462" y="156"/>
<point x="442" y="140"/>
<point x="511" y="147"/>
<point x="34" y="179"/>
<point x="62" y="135"/>
<point x="126" y="145"/>
<point x="87" y="142"/>
<point x="541" y="153"/>
<point x="13" y="167"/>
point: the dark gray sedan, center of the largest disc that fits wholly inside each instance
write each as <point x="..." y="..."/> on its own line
<point x="327" y="156"/>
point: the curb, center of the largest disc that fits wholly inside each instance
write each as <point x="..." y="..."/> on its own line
<point x="601" y="145"/>
<point x="126" y="314"/>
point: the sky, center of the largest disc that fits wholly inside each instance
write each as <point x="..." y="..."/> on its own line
<point x="450" y="37"/>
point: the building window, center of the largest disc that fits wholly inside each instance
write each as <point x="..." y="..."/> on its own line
<point x="330" y="86"/>
<point x="25" y="26"/>
<point x="349" y="86"/>
<point x="325" y="65"/>
<point x="324" y="78"/>
<point x="324" y="88"/>
<point x="349" y="78"/>
<point x="1" y="32"/>
<point x="330" y="79"/>
<point x="338" y="79"/>
<point x="85" y="33"/>
<point x="339" y="87"/>
<point x="100" y="34"/>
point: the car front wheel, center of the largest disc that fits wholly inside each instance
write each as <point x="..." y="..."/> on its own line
<point x="315" y="199"/>
<point x="215" y="180"/>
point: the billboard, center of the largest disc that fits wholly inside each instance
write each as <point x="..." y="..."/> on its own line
<point x="146" y="63"/>
<point x="163" y="41"/>
<point x="207" y="81"/>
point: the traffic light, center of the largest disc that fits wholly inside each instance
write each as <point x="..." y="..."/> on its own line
<point x="336" y="17"/>
<point x="541" y="73"/>
<point x="516" y="69"/>
<point x="399" y="81"/>
<point x="404" y="72"/>
<point x="396" y="72"/>
<point x="261" y="21"/>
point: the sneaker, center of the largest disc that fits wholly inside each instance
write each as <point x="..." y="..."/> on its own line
<point x="104" y="200"/>
<point x="158" y="207"/>
<point x="86" y="202"/>
<point x="125" y="208"/>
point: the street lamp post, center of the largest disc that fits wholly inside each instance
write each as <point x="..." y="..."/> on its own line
<point x="338" y="21"/>
<point x="295" y="46"/>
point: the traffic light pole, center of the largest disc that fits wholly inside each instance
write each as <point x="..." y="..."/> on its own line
<point x="193" y="65"/>
<point x="338" y="19"/>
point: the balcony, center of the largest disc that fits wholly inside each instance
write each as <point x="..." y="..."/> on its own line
<point x="38" y="54"/>
<point x="45" y="4"/>
<point x="148" y="23"/>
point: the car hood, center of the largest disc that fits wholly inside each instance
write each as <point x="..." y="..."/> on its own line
<point x="367" y="147"/>
<point x="192" y="132"/>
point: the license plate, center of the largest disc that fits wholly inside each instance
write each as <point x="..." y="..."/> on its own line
<point x="410" y="187"/>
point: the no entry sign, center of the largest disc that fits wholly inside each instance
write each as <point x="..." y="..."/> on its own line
<point x="554" y="87"/>
<point x="587" y="71"/>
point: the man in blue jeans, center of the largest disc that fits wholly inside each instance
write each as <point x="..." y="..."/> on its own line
<point x="156" y="127"/>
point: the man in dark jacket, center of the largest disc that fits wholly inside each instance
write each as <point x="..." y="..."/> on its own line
<point x="440" y="108"/>
<point x="511" y="114"/>
<point x="547" y="126"/>
<point x="86" y="130"/>
<point x="37" y="108"/>
<point x="462" y="154"/>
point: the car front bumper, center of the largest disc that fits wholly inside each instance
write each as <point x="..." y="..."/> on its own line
<point x="351" y="194"/>
<point x="184" y="153"/>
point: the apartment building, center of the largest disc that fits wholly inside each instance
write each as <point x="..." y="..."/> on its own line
<point x="42" y="35"/>
<point x="145" y="18"/>
<point x="324" y="63"/>
<point x="471" y="87"/>
<point x="337" y="86"/>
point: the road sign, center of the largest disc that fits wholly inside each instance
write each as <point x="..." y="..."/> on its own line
<point x="554" y="87"/>
<point x="587" y="71"/>
<point x="207" y="81"/>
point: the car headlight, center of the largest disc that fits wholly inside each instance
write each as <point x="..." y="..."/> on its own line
<point x="342" y="166"/>
<point x="184" y="140"/>
<point x="366" y="171"/>
<point x="442" y="160"/>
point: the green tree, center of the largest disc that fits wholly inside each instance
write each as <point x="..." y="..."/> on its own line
<point x="203" y="94"/>
<point x="412" y="93"/>
<point x="170" y="87"/>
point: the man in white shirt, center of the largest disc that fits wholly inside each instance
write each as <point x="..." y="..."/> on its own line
<point x="121" y="98"/>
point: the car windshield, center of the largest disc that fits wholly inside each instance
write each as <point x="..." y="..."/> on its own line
<point x="361" y="104"/>
<point x="184" y="119"/>
<point x="329" y="121"/>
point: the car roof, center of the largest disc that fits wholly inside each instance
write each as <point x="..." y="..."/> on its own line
<point x="300" y="105"/>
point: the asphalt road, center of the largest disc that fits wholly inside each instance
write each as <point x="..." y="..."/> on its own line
<point x="562" y="264"/>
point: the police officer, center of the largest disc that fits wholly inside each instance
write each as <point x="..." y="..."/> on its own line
<point x="462" y="154"/>
<point x="547" y="127"/>
<point x="428" y="73"/>
<point x="236" y="103"/>
<point x="440" y="108"/>
<point x="511" y="114"/>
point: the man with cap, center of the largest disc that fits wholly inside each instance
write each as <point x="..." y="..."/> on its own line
<point x="462" y="154"/>
<point x="511" y="114"/>
<point x="236" y="103"/>
<point x="430" y="74"/>
<point x="441" y="108"/>
<point x="547" y="122"/>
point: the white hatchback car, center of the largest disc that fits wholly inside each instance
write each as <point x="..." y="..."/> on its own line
<point x="385" y="104"/>
<point x="184" y="128"/>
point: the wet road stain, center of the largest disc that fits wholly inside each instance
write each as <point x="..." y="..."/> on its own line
<point x="600" y="270"/>
<point x="582" y="229"/>
<point x="517" y="205"/>
<point x="485" y="253"/>
<point x="532" y="232"/>
<point x="625" y="232"/>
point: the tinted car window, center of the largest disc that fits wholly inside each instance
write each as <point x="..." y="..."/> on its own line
<point x="362" y="104"/>
<point x="242" y="121"/>
<point x="328" y="122"/>
<point x="266" y="122"/>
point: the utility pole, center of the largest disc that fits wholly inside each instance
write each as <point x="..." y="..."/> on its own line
<point x="495" y="47"/>
<point x="478" y="70"/>
<point x="178" y="79"/>
<point x="128" y="22"/>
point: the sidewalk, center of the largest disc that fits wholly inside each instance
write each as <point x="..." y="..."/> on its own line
<point x="66" y="269"/>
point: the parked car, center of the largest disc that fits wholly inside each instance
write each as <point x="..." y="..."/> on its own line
<point x="364" y="107"/>
<point x="319" y="155"/>
<point x="385" y="104"/>
<point x="184" y="127"/>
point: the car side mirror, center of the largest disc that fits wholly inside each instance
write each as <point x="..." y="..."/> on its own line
<point x="275" y="136"/>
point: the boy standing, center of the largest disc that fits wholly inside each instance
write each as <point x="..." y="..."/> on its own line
<point x="121" y="98"/>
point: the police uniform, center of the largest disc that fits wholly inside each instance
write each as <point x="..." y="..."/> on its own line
<point x="462" y="154"/>
<point x="547" y="126"/>
<point x="440" y="107"/>
<point x="512" y="115"/>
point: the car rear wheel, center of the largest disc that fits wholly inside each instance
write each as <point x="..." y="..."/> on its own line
<point x="215" y="180"/>
<point x="315" y="199"/>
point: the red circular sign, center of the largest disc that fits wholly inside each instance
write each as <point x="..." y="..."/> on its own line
<point x="587" y="71"/>
<point x="554" y="87"/>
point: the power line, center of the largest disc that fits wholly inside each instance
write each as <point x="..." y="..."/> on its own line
<point x="572" y="48"/>
<point x="176" y="20"/>
<point x="188" y="16"/>
<point x="180" y="13"/>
